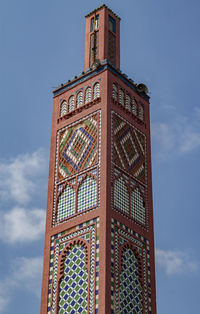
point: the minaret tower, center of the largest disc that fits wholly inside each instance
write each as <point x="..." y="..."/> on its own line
<point x="99" y="243"/>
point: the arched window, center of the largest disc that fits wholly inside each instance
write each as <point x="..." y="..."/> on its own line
<point x="73" y="287"/>
<point x="121" y="97"/>
<point x="87" y="194"/>
<point x="141" y="113"/>
<point x="63" y="108"/>
<point x="137" y="206"/>
<point x="66" y="203"/>
<point x="71" y="103"/>
<point x="121" y="196"/>
<point x="79" y="99"/>
<point x="114" y="92"/>
<point x="88" y="95"/>
<point x="130" y="294"/>
<point x="96" y="90"/>
<point x="134" y="107"/>
<point x="128" y="103"/>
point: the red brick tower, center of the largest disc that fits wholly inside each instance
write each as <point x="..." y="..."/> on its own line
<point x="99" y="244"/>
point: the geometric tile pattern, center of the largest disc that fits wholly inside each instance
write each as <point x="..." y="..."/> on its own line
<point x="87" y="194"/>
<point x="73" y="291"/>
<point x="129" y="295"/>
<point x="130" y="286"/>
<point x="73" y="173"/>
<point x="76" y="280"/>
<point x="128" y="148"/>
<point x="78" y="147"/>
<point x="137" y="206"/>
<point x="121" y="196"/>
<point x="129" y="196"/>
<point x="66" y="203"/>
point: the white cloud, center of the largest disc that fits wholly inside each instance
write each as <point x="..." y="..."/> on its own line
<point x="176" y="137"/>
<point x="20" y="177"/>
<point x="25" y="274"/>
<point x="22" y="225"/>
<point x="29" y="272"/>
<point x="175" y="262"/>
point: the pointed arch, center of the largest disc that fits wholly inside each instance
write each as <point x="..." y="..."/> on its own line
<point x="131" y="286"/>
<point x="96" y="90"/>
<point x="79" y="99"/>
<point x="134" y="107"/>
<point x="88" y="95"/>
<point x="114" y="92"/>
<point x="63" y="109"/>
<point x="87" y="193"/>
<point x="71" y="103"/>
<point x="73" y="278"/>
<point x="78" y="241"/>
<point x="141" y="112"/>
<point x="128" y="102"/>
<point x="121" y="195"/>
<point x="121" y="97"/>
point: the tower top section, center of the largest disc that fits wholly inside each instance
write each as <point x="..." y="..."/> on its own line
<point x="102" y="37"/>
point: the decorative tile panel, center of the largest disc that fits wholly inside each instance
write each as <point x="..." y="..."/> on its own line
<point x="129" y="148"/>
<point x="87" y="194"/>
<point x="78" y="147"/>
<point x="130" y="294"/>
<point x="78" y="292"/>
<point x="77" y="171"/>
<point x="121" y="195"/>
<point x="66" y="203"/>
<point x="73" y="292"/>
<point x="134" y="262"/>
<point x="137" y="206"/>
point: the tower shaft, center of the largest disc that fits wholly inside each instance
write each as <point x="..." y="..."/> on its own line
<point x="99" y="242"/>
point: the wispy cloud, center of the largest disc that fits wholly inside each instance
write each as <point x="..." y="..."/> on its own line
<point x="175" y="262"/>
<point x="177" y="136"/>
<point x="20" y="177"/>
<point x="20" y="225"/>
<point x="25" y="274"/>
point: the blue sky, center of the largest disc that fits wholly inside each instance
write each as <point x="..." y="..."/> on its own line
<point x="42" y="45"/>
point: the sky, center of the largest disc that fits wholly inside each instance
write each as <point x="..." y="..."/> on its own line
<point x="42" y="46"/>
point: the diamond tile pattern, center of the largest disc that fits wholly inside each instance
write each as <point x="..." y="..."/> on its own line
<point x="129" y="148"/>
<point x="73" y="296"/>
<point x="66" y="203"/>
<point x="78" y="147"/>
<point x="128" y="294"/>
<point x="130" y="286"/>
<point x="76" y="276"/>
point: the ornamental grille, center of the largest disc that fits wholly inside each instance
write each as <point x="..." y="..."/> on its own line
<point x="88" y="95"/>
<point x="96" y="90"/>
<point x="71" y="103"/>
<point x="121" y="97"/>
<point x="114" y="92"/>
<point x="128" y="103"/>
<point x="63" y="109"/>
<point x="79" y="99"/>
